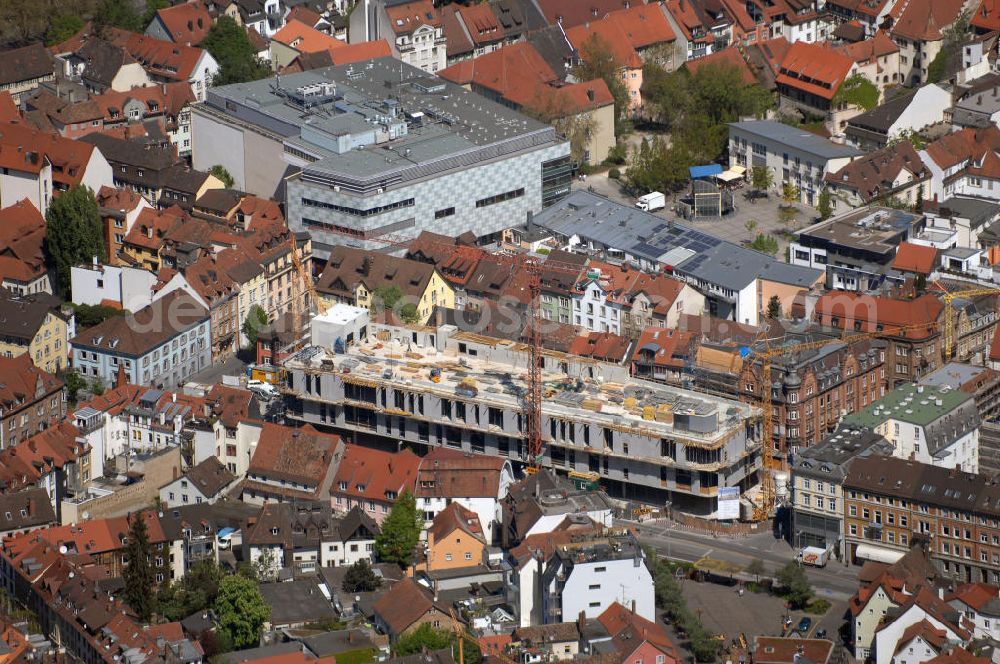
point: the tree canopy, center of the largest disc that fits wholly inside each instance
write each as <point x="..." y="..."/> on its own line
<point x="241" y="611"/>
<point x="429" y="638"/>
<point x="73" y="233"/>
<point x="825" y="204"/>
<point x="254" y="322"/>
<point x="196" y="591"/>
<point x="774" y="308"/>
<point x="138" y="573"/>
<point x="89" y="315"/>
<point x="228" y="43"/>
<point x="220" y="172"/>
<point x="695" y="108"/>
<point x="400" y="531"/>
<point x="857" y="91"/>
<point x="797" y="589"/>
<point x="360" y="577"/>
<point x="62" y="27"/>
<point x="118" y="14"/>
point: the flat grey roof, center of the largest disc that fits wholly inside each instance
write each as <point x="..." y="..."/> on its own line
<point x="977" y="210"/>
<point x="443" y="119"/>
<point x="879" y="230"/>
<point x="796" y="138"/>
<point x="953" y="374"/>
<point x="653" y="238"/>
<point x="840" y="447"/>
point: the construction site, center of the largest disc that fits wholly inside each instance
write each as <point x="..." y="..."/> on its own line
<point x="641" y="441"/>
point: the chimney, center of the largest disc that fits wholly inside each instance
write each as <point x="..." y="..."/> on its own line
<point x="633" y="606"/>
<point x="590" y="94"/>
<point x="581" y="621"/>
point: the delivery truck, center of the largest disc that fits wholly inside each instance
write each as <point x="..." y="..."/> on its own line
<point x="815" y="556"/>
<point x="654" y="200"/>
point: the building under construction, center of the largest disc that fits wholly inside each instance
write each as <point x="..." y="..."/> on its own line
<point x="440" y="386"/>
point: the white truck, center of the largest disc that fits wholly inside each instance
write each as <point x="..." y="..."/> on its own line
<point x="654" y="200"/>
<point x="815" y="556"/>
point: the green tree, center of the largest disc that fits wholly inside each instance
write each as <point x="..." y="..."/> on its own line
<point x="89" y="315"/>
<point x="825" y="205"/>
<point x="73" y="233"/>
<point x="857" y="91"/>
<point x="118" y="14"/>
<point x="795" y="584"/>
<point x="790" y="193"/>
<point x="750" y="225"/>
<point x="153" y="6"/>
<point x="774" y="308"/>
<point x="597" y="60"/>
<point x="920" y="283"/>
<point x="96" y="386"/>
<point x="255" y="321"/>
<point x="138" y="573"/>
<point x="360" y="577"/>
<point x="756" y="567"/>
<point x="265" y="568"/>
<point x="229" y="45"/>
<point x="387" y="295"/>
<point x="761" y="178"/>
<point x="62" y="28"/>
<point x="220" y="172"/>
<point x="400" y="531"/>
<point x="719" y="89"/>
<point x="429" y="638"/>
<point x="195" y="592"/>
<point x="241" y="611"/>
<point x="74" y="383"/>
<point x="765" y="244"/>
<point x="704" y="646"/>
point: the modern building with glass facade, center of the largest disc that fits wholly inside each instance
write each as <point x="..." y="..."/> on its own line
<point x="382" y="148"/>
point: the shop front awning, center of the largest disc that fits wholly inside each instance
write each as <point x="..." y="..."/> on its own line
<point x="878" y="554"/>
<point x="728" y="176"/>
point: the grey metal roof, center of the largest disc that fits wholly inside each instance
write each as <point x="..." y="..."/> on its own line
<point x="883" y="116"/>
<point x="702" y="256"/>
<point x="976" y="210"/>
<point x="796" y="138"/>
<point x="953" y="374"/>
<point x="368" y="95"/>
<point x="832" y="456"/>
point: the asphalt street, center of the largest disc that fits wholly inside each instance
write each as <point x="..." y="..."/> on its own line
<point x="835" y="582"/>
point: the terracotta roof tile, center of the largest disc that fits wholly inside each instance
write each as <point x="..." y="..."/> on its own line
<point x="876" y="173"/>
<point x="302" y="455"/>
<point x="604" y="346"/>
<point x="455" y="474"/>
<point x="852" y="310"/>
<point x="406" y="18"/>
<point x="986" y="17"/>
<point x="375" y="474"/>
<point x="915" y="258"/>
<point x="571" y="13"/>
<point x="455" y="517"/>
<point x="25" y="63"/>
<point x="306" y="39"/>
<point x="727" y="57"/>
<point x="923" y="20"/>
<point x="404" y="604"/>
<point x="816" y="68"/>
<point x="188" y="23"/>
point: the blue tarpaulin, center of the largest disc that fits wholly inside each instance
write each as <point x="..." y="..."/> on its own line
<point x="707" y="171"/>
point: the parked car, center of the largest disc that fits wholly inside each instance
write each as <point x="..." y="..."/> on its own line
<point x="804" y="625"/>
<point x="820" y="633"/>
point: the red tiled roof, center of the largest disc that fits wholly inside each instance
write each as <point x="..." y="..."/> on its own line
<point x="515" y="72"/>
<point x="406" y="18"/>
<point x="306" y="39"/>
<point x="924" y="630"/>
<point x="571" y="13"/>
<point x="974" y="595"/>
<point x="664" y="343"/>
<point x="455" y="517"/>
<point x="404" y="604"/>
<point x="361" y="51"/>
<point x="923" y="20"/>
<point x="188" y="23"/>
<point x="22" y="242"/>
<point x="643" y="25"/>
<point x="173" y="61"/>
<point x="69" y="158"/>
<point x="870" y="313"/>
<point x="604" y="346"/>
<point x="626" y="628"/>
<point x="965" y="144"/>
<point x="958" y="655"/>
<point x="169" y="99"/>
<point x="687" y="19"/>
<point x="372" y="474"/>
<point x="230" y="404"/>
<point x="816" y="68"/>
<point x="305" y="15"/>
<point x="302" y="455"/>
<point x="455" y="474"/>
<point x="915" y="258"/>
<point x="611" y="33"/>
<point x="8" y="109"/>
<point x="987" y="16"/>
<point x="868" y="50"/>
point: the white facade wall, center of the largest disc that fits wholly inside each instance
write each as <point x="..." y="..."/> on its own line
<point x="747" y="310"/>
<point x="911" y="440"/>
<point x="17" y="185"/>
<point x="888" y="637"/>
<point x="927" y="108"/>
<point x="917" y="651"/>
<point x="182" y="492"/>
<point x="129" y="286"/>
<point x="593" y="311"/>
<point x="592" y="587"/>
<point x="866" y="622"/>
<point x="546" y="524"/>
<point x="201" y="76"/>
<point x="986" y="626"/>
